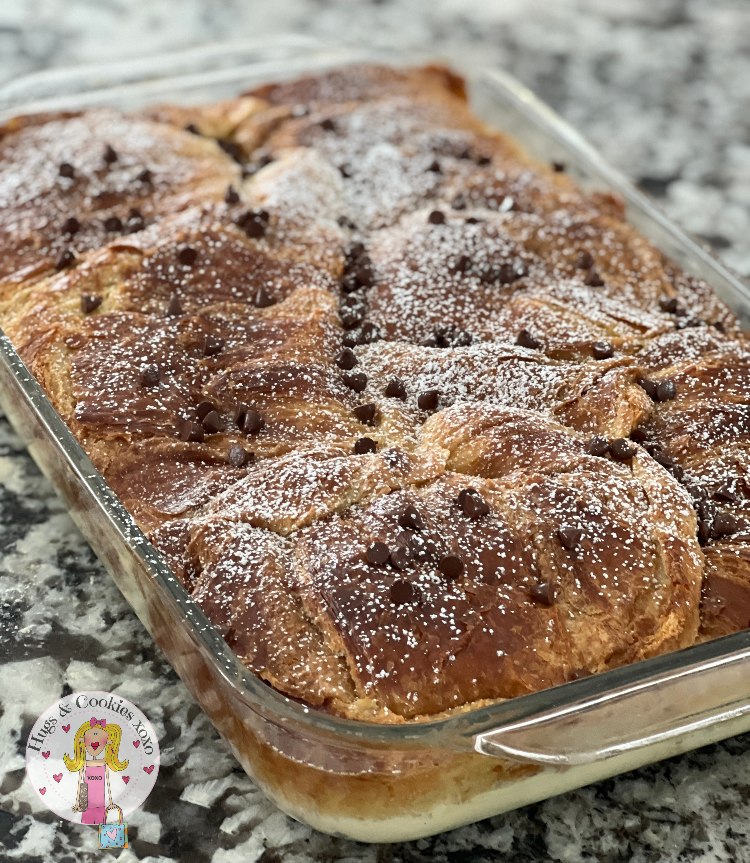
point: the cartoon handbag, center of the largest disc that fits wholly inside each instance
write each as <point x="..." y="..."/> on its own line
<point x="113" y="835"/>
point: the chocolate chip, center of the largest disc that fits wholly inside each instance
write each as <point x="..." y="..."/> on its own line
<point x="187" y="256"/>
<point x="462" y="264"/>
<point x="704" y="530"/>
<point x="90" y="302"/>
<point x="109" y="155"/>
<point x="434" y="166"/>
<point x="472" y="220"/>
<point x="238" y="456"/>
<point x="639" y="434"/>
<point x="411" y="518"/>
<point x="525" y="340"/>
<point x="504" y="274"/>
<point x="356" y="381"/>
<point x="252" y="422"/>
<point x="543" y="593"/>
<point x="262" y="298"/>
<point x="402" y="591"/>
<point x="212" y="345"/>
<point x="351" y="313"/>
<point x="368" y="333"/>
<point x="436" y="217"/>
<point x="254" y="223"/>
<point x="725" y="524"/>
<point x="451" y="567"/>
<point x="150" y="375"/>
<point x="377" y="553"/>
<point x="584" y="261"/>
<point x="364" y="445"/>
<point x="232" y="196"/>
<point x="428" y="400"/>
<point x="726" y="492"/>
<point x="593" y="279"/>
<point x="570" y="537"/>
<point x="190" y="431"/>
<point x="621" y="449"/>
<point x="204" y="409"/>
<point x="483" y="161"/>
<point x="400" y="557"/>
<point x="666" y="391"/>
<point x="328" y="125"/>
<point x="558" y="167"/>
<point x="395" y="389"/>
<point x="65" y="169"/>
<point x="212" y="423"/>
<point x="598" y="446"/>
<point x="240" y="411"/>
<point x="65" y="260"/>
<point x="113" y="224"/>
<point x="232" y="149"/>
<point x="472" y="504"/>
<point x="135" y="222"/>
<point x="602" y="350"/>
<point x="193" y="129"/>
<point x="366" y="413"/>
<point x="70" y="226"/>
<point x="345" y="171"/>
<point x="669" y="304"/>
<point x="346" y="359"/>
<point x="174" y="307"/>
<point x="648" y="386"/>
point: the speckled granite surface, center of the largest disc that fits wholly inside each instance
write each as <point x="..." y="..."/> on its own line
<point x="664" y="90"/>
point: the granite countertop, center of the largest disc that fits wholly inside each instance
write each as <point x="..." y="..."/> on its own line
<point x="664" y="91"/>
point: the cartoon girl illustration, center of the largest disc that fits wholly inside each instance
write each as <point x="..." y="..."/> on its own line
<point x="95" y="752"/>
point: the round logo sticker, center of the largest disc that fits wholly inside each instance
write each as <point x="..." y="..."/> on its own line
<point x="90" y="753"/>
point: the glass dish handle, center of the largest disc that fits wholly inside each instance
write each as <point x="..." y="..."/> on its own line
<point x="655" y="712"/>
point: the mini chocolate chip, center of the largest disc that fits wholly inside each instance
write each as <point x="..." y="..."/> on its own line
<point x="622" y="449"/>
<point x="639" y="434"/>
<point x="402" y="591"/>
<point x="346" y="359"/>
<point x="602" y="350"/>
<point x="400" y="557"/>
<point x="364" y="445"/>
<point x="704" y="531"/>
<point x="150" y="375"/>
<point x="593" y="279"/>
<point x="483" y="160"/>
<point x="472" y="220"/>
<point x="725" y="492"/>
<point x="238" y="456"/>
<point x="252" y="422"/>
<point x="240" y="411"/>
<point x="203" y="409"/>
<point x="212" y="423"/>
<point x="377" y="553"/>
<point x="232" y="196"/>
<point x="135" y="222"/>
<point x="395" y="389"/>
<point x="253" y="222"/>
<point x="70" y="226"/>
<point x="598" y="446"/>
<point x="543" y="593"/>
<point x="411" y="518"/>
<point x="436" y="217"/>
<point x="145" y="176"/>
<point x="212" y="345"/>
<point x="90" y="302"/>
<point x="65" y="260"/>
<point x="472" y="504"/>
<point x="65" y="169"/>
<point x="525" y="340"/>
<point x="648" y="386"/>
<point x="262" y="298"/>
<point x="113" y="224"/>
<point x="666" y="391"/>
<point x="356" y="381"/>
<point x="351" y="315"/>
<point x="187" y="256"/>
<point x="462" y="264"/>
<point x="669" y="304"/>
<point x="584" y="261"/>
<point x="366" y="413"/>
<point x="345" y="171"/>
<point x="451" y="567"/>
<point x="109" y="155"/>
<point x="328" y="125"/>
<point x="434" y="166"/>
<point x="725" y="524"/>
<point x="570" y="537"/>
<point x="193" y="129"/>
<point x="174" y="307"/>
<point x="428" y="400"/>
<point x="190" y="431"/>
<point x="558" y="167"/>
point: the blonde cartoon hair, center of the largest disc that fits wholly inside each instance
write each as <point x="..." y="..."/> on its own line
<point x="111" y="750"/>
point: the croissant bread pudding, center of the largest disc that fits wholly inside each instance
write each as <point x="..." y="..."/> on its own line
<point x="416" y="421"/>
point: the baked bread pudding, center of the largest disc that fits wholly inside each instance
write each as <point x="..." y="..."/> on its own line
<point x="417" y="422"/>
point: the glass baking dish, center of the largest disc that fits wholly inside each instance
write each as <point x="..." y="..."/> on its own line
<point x="366" y="781"/>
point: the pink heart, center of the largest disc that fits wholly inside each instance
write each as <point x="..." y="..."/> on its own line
<point x="57" y="776"/>
<point x="112" y="833"/>
<point x="94" y="746"/>
<point x="149" y="768"/>
<point x="66" y="728"/>
<point x="45" y="754"/>
<point x="136" y="743"/>
<point x="126" y="779"/>
<point x="42" y="790"/>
